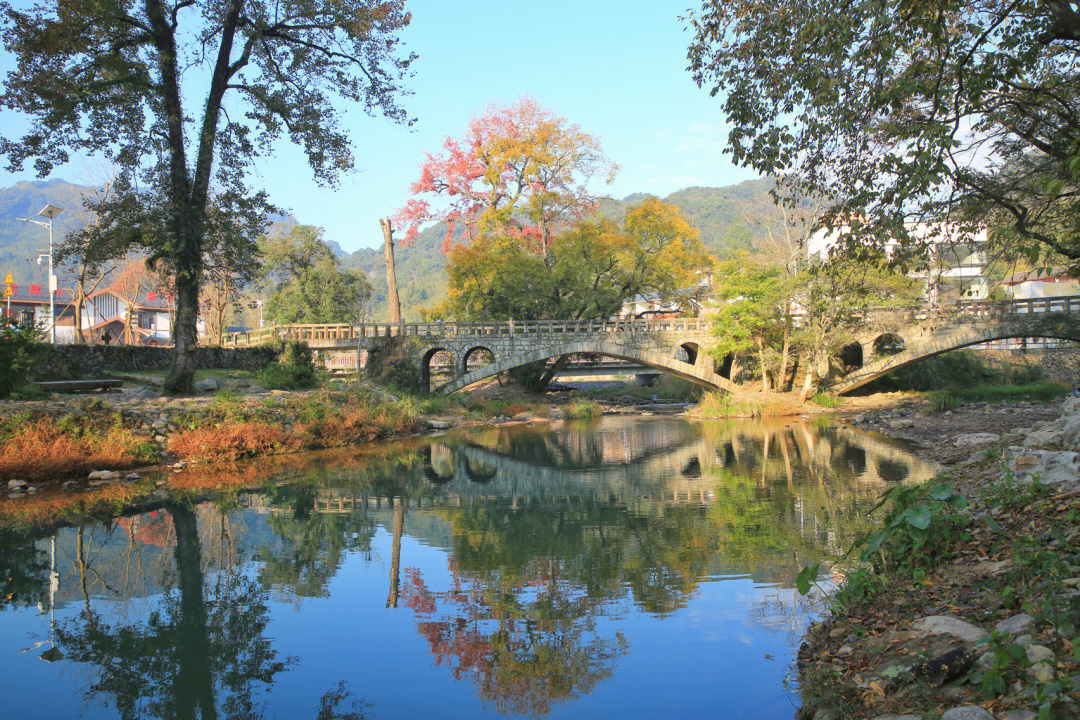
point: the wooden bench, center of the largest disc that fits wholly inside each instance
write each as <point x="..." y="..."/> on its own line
<point x="75" y="385"/>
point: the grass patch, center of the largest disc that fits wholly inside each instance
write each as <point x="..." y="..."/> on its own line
<point x="942" y="400"/>
<point x="40" y="447"/>
<point x="827" y="400"/>
<point x="582" y="410"/>
<point x="1029" y="391"/>
<point x="235" y="429"/>
<point x="722" y="405"/>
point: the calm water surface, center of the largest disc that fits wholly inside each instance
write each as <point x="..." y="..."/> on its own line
<point x="624" y="568"/>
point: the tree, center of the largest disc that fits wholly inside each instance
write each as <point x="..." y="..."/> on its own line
<point x="519" y="169"/>
<point x="587" y="272"/>
<point x="901" y="112"/>
<point x="753" y="307"/>
<point x="108" y="78"/>
<point x="833" y="296"/>
<point x="391" y="271"/>
<point x="309" y="285"/>
<point x="136" y="280"/>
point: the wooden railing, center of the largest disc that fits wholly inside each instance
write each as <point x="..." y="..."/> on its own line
<point x="327" y="332"/>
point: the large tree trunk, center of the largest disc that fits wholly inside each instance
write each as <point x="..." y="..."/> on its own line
<point x="391" y="272"/>
<point x="185" y="335"/>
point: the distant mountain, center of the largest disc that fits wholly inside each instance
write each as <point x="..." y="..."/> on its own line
<point x="728" y="218"/>
<point x="21" y="241"/>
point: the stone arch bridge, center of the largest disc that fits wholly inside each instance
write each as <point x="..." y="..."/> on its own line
<point x="885" y="340"/>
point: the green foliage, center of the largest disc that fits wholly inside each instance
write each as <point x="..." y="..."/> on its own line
<point x="845" y="102"/>
<point x="1031" y="391"/>
<point x="19" y="348"/>
<point x="827" y="400"/>
<point x="943" y="400"/>
<point x="294" y="370"/>
<point x="307" y="282"/>
<point x="960" y="369"/>
<point x="1008" y="664"/>
<point x="582" y="410"/>
<point x="918" y="528"/>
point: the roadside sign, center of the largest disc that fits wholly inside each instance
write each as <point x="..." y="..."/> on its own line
<point x="8" y="280"/>
<point x="9" y="290"/>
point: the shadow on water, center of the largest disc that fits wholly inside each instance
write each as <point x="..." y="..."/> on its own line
<point x="525" y="562"/>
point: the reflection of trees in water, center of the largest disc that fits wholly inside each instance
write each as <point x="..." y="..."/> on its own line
<point x="310" y="547"/>
<point x="527" y="644"/>
<point x="200" y="652"/>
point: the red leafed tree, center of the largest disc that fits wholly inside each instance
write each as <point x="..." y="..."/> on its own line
<point x="519" y="169"/>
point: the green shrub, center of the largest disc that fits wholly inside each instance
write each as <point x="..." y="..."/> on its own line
<point x="295" y="369"/>
<point x="918" y="531"/>
<point x="943" y="400"/>
<point x="582" y="409"/>
<point x="827" y="400"/>
<point x="19" y="348"/>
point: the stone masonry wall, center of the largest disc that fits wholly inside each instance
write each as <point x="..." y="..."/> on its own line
<point x="1060" y="364"/>
<point x="70" y="362"/>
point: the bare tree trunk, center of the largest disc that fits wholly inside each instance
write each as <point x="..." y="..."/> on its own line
<point x="391" y="271"/>
<point x="808" y="379"/>
<point x="764" y="367"/>
<point x="185" y="335"/>
<point x="781" y="380"/>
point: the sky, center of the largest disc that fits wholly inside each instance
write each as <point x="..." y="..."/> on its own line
<point x="616" y="68"/>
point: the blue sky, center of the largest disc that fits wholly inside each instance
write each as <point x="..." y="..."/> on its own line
<point x="618" y="69"/>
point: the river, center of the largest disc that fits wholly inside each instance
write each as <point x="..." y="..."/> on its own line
<point x="622" y="567"/>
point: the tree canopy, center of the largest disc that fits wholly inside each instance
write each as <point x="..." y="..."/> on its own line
<point x="901" y="112"/>
<point x="589" y="271"/>
<point x="519" y="168"/>
<point x="117" y="78"/>
<point x="307" y="282"/>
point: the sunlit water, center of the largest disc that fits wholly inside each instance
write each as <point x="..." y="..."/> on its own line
<point x="626" y="568"/>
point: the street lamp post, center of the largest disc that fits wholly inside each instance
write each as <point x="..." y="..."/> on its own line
<point x="50" y="212"/>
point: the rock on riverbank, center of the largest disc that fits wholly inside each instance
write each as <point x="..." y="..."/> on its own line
<point x="989" y="632"/>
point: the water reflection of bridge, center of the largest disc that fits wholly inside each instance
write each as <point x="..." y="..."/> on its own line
<point x="641" y="464"/>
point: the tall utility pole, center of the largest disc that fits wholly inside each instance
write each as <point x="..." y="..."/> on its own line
<point x="50" y="212"/>
<point x="391" y="272"/>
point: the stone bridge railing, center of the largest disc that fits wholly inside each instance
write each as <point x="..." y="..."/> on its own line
<point x="348" y="334"/>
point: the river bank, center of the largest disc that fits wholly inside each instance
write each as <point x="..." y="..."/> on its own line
<point x="969" y="609"/>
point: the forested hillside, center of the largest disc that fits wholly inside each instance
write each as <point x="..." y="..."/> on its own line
<point x="730" y="219"/>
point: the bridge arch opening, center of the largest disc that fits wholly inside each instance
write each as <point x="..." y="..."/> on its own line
<point x="437" y="364"/>
<point x="476" y="358"/>
<point x="851" y="356"/>
<point x="726" y="365"/>
<point x="480" y="472"/>
<point x="689" y="353"/>
<point x="439" y="464"/>
<point x="888" y="344"/>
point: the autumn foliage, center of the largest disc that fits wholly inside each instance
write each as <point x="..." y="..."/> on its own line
<point x="44" y="448"/>
<point x="519" y="169"/>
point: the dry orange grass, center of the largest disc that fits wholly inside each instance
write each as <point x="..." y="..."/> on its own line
<point x="40" y="449"/>
<point x="233" y="441"/>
